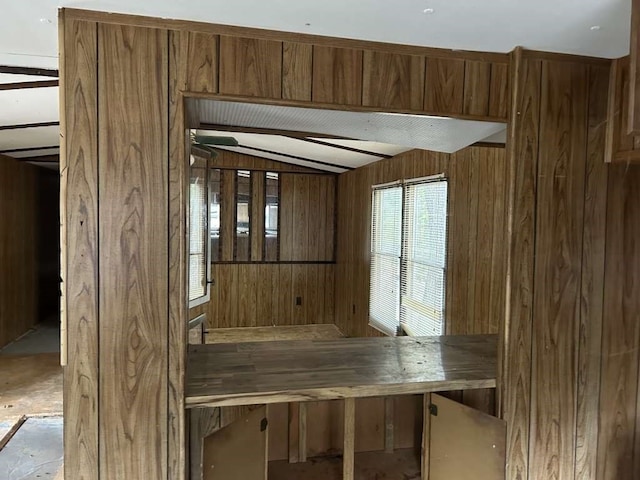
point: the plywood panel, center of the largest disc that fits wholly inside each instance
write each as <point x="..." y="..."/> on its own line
<point x="337" y="75"/>
<point x="393" y="80"/>
<point x="444" y="86"/>
<point x="202" y="63"/>
<point x="249" y="66"/>
<point x="477" y="87"/>
<point x="297" y="64"/>
<point x="133" y="282"/>
<point x="79" y="219"/>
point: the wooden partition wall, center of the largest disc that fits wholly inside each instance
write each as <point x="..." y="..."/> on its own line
<point x="570" y="365"/>
<point x="18" y="248"/>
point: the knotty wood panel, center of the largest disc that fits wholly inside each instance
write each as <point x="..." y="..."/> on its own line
<point x="133" y="217"/>
<point x="249" y="66"/>
<point x="297" y="65"/>
<point x="79" y="231"/>
<point x="444" y="85"/>
<point x="395" y="81"/>
<point x="18" y="248"/>
<point x="337" y="75"/>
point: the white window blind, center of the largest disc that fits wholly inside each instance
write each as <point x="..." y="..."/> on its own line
<point x="424" y="258"/>
<point x="386" y="248"/>
<point x="198" y="231"/>
<point x="408" y="257"/>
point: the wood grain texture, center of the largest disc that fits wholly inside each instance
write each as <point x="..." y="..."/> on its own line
<point x="349" y="434"/>
<point x="133" y="282"/>
<point x="593" y="263"/>
<point x="477" y="87"/>
<point x="257" y="215"/>
<point x="302" y="370"/>
<point x="621" y="330"/>
<point x="633" y="117"/>
<point x="18" y="249"/>
<point x="178" y="188"/>
<point x="444" y="86"/>
<point x="395" y="81"/>
<point x="250" y="67"/>
<point x="499" y="94"/>
<point x="558" y="264"/>
<point x="297" y="65"/>
<point x="227" y="214"/>
<point x="337" y="75"/>
<point x="515" y="390"/>
<point x="201" y="66"/>
<point x="79" y="219"/>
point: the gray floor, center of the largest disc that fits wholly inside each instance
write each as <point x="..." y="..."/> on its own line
<point x="34" y="452"/>
<point x="45" y="338"/>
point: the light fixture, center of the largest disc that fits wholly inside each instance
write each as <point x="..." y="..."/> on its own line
<point x="594" y="28"/>
<point x="428" y="11"/>
<point x="45" y="20"/>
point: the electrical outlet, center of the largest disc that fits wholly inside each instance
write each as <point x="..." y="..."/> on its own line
<point x="298" y="301"/>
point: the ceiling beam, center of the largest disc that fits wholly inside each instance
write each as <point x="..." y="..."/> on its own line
<point x="267" y="131"/>
<point x="34" y="84"/>
<point x="344" y="147"/>
<point x="28" y="149"/>
<point x="633" y="123"/>
<point x="29" y="125"/>
<point x="42" y="159"/>
<point x="38" y="72"/>
<point x="285" y="155"/>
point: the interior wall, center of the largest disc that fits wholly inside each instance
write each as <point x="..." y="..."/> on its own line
<point x="18" y="248"/>
<point x="475" y="241"/>
<point x="570" y="366"/>
<point x="124" y="184"/>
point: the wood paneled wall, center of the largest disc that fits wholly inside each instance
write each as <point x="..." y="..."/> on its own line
<point x="476" y="264"/>
<point x="18" y="248"/>
<point x="621" y="147"/>
<point x="570" y="366"/>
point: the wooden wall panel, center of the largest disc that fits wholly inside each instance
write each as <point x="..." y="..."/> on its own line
<point x="395" y="81"/>
<point x="337" y="75"/>
<point x="477" y="177"/>
<point x="79" y="232"/>
<point x="133" y="182"/>
<point x="257" y="215"/>
<point x="202" y="63"/>
<point x="444" y="85"/>
<point x="227" y="215"/>
<point x="18" y="249"/>
<point x="499" y="91"/>
<point x="477" y="87"/>
<point x="297" y="65"/>
<point x="558" y="263"/>
<point x="249" y="66"/>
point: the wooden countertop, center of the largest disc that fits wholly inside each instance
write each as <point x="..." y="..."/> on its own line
<point x="305" y="370"/>
<point x="319" y="331"/>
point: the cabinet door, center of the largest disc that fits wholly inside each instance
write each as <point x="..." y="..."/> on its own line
<point x="466" y="444"/>
<point x="239" y="450"/>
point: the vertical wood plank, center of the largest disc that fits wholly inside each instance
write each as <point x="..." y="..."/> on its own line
<point x="558" y="254"/>
<point x="331" y="220"/>
<point x="297" y="68"/>
<point x="515" y="364"/>
<point x="228" y="311"/>
<point x="426" y="436"/>
<point x="286" y="226"/>
<point x="285" y="297"/>
<point x="389" y="405"/>
<point x="348" y="451"/>
<point x="250" y="66"/>
<point x="444" y="85"/>
<point x="499" y="91"/>
<point x="202" y="63"/>
<point x="294" y="432"/>
<point x="477" y="87"/>
<point x="178" y="188"/>
<point x="257" y="215"/>
<point x="330" y="306"/>
<point x="392" y="80"/>
<point x="337" y="75"/>
<point x="79" y="216"/>
<point x="227" y="214"/>
<point x="133" y="214"/>
<point x="301" y="225"/>
<point x="247" y="295"/>
<point x="592" y="289"/>
<point x="302" y="431"/>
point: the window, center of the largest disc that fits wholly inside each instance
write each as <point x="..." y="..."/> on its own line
<point x="199" y="217"/>
<point x="408" y="256"/>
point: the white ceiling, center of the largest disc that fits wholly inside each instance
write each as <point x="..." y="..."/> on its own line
<point x="28" y="30"/>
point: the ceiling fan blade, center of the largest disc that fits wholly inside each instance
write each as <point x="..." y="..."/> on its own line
<point x="216" y="140"/>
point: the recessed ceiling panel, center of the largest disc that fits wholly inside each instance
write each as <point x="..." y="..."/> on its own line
<point x="440" y="134"/>
<point x="29" y="137"/>
<point x="35" y="153"/>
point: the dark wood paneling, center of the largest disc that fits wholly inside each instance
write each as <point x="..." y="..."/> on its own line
<point x="558" y="264"/>
<point x="227" y="214"/>
<point x="499" y="90"/>
<point x="202" y="63"/>
<point x="337" y="75"/>
<point x="79" y="232"/>
<point x="477" y="87"/>
<point x="133" y="282"/>
<point x="444" y="85"/>
<point x="249" y="66"/>
<point x="18" y="249"/>
<point x="257" y="215"/>
<point x="395" y="81"/>
<point x="297" y="64"/>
